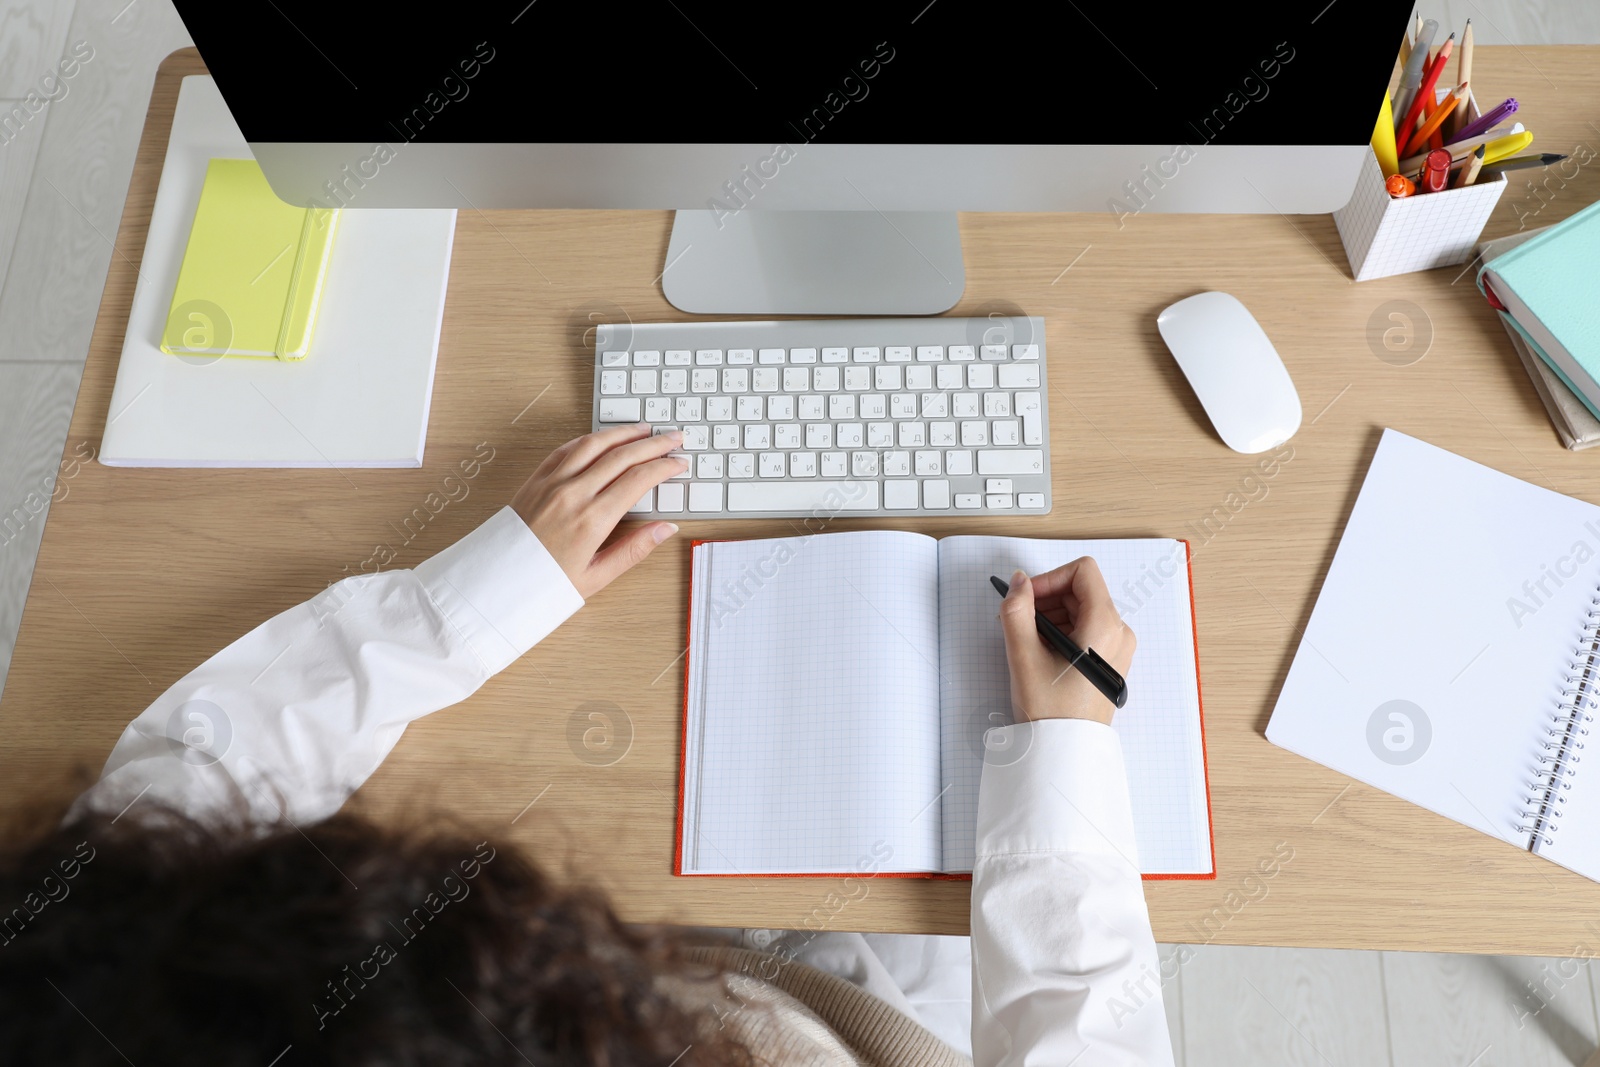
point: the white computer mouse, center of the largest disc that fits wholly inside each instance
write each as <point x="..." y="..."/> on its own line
<point x="1234" y="370"/>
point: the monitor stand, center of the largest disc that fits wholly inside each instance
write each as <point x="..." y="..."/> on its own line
<point x="814" y="263"/>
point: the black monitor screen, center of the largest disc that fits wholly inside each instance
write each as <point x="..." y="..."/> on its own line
<point x="691" y="71"/>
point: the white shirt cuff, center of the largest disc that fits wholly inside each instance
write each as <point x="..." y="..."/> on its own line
<point x="1064" y="790"/>
<point x="500" y="588"/>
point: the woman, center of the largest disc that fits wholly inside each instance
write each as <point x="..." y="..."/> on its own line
<point x="203" y="902"/>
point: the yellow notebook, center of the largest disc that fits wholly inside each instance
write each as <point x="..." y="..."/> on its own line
<point x="252" y="272"/>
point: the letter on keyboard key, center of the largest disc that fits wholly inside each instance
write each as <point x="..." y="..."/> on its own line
<point x="812" y="497"/>
<point x="900" y="495"/>
<point x="1019" y="375"/>
<point x="1011" y="461"/>
<point x="620" y="409"/>
<point x="705" y="496"/>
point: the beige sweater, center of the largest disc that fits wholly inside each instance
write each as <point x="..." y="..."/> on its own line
<point x="793" y="1015"/>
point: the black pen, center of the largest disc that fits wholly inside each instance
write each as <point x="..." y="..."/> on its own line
<point x="1102" y="675"/>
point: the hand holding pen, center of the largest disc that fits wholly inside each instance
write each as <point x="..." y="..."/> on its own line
<point x="1073" y="601"/>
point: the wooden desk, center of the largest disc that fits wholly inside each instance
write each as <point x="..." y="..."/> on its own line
<point x="143" y="573"/>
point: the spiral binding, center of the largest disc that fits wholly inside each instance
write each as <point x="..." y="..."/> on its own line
<point x="1561" y="749"/>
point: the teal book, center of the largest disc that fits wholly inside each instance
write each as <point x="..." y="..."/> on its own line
<point x="1547" y="286"/>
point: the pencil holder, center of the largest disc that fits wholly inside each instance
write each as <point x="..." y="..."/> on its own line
<point x="1383" y="236"/>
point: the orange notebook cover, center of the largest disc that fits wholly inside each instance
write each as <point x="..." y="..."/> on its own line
<point x="838" y="689"/>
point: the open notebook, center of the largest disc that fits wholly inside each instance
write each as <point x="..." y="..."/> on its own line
<point x="839" y="686"/>
<point x="1454" y="653"/>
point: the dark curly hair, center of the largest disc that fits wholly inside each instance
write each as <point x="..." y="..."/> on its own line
<point x="165" y="941"/>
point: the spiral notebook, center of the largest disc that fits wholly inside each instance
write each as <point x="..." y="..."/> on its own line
<point x="839" y="687"/>
<point x="1453" y="656"/>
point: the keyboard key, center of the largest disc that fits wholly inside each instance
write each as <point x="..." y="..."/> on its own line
<point x="936" y="494"/>
<point x="613" y="359"/>
<point x="690" y="408"/>
<point x="867" y="355"/>
<point x="724" y="437"/>
<point x="1019" y="376"/>
<point x="688" y="465"/>
<point x="825" y="379"/>
<point x="834" y="465"/>
<point x="842" y="405"/>
<point x="773" y="464"/>
<point x="786" y="435"/>
<point x="1028" y="404"/>
<point x="935" y="405"/>
<point x="930" y="353"/>
<point x="646" y="502"/>
<point x="620" y="409"/>
<point x="705" y="496"/>
<point x="980" y="376"/>
<point x="949" y="376"/>
<point x="719" y="408"/>
<point x="963" y="353"/>
<point x="913" y="434"/>
<point x="864" y="464"/>
<point x="847" y="435"/>
<point x="819" y="435"/>
<point x="873" y="406"/>
<point x="802" y="464"/>
<point x="886" y="378"/>
<point x="770" y="355"/>
<point x="835" y="355"/>
<point x="669" y="497"/>
<point x="1013" y="461"/>
<point x="975" y="432"/>
<point x="897" y="463"/>
<point x="997" y="485"/>
<point x="613" y="382"/>
<point x="902" y="406"/>
<point x="708" y="357"/>
<point x="1032" y="430"/>
<point x="765" y="380"/>
<point x="964" y="405"/>
<point x="647" y="359"/>
<point x="919" y="378"/>
<point x="796" y="379"/>
<point x="741" y="357"/>
<point x="678" y="357"/>
<point x="900" y="495"/>
<point x="897" y="354"/>
<point x="780" y="408"/>
<point x="1030" y="500"/>
<point x="644" y="382"/>
<point x="941" y="433"/>
<point x="1025" y="352"/>
<point x="880" y="434"/>
<point x="858" y="378"/>
<point x="926" y="462"/>
<point x="750" y="407"/>
<point x="674" y="381"/>
<point x="802" y="355"/>
<point x="696" y="438"/>
<point x="1005" y="432"/>
<point x="997" y="501"/>
<point x="741" y="465"/>
<point x="658" y="409"/>
<point x="811" y="407"/>
<point x="709" y="465"/>
<point x="734" y="380"/>
<point x="966" y="501"/>
<point x="958" y="461"/>
<point x="703" y="381"/>
<point x="992" y="353"/>
<point x="826" y="497"/>
<point x="758" y="437"/>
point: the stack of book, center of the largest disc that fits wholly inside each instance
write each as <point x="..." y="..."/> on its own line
<point x="1542" y="284"/>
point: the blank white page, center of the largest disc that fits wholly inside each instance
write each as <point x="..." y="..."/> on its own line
<point x="1159" y="726"/>
<point x="1424" y="603"/>
<point x="813" y="708"/>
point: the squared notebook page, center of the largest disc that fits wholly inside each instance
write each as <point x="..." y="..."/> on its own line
<point x="1433" y="660"/>
<point x="812" y="718"/>
<point x="1159" y="726"/>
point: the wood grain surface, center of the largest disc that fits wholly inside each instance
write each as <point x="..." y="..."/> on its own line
<point x="144" y="573"/>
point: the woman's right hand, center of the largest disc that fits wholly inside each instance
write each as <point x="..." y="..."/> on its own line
<point x="1076" y="599"/>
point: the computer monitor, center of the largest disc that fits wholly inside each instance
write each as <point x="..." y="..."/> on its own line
<point x="816" y="155"/>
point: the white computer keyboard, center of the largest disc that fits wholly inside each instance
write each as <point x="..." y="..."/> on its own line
<point x="934" y="416"/>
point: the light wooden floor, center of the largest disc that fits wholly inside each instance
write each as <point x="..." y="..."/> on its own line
<point x="63" y="178"/>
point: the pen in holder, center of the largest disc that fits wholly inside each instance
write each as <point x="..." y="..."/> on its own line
<point x="1385" y="235"/>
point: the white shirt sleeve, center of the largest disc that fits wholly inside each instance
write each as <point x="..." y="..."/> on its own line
<point x="290" y="719"/>
<point x="1064" y="966"/>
